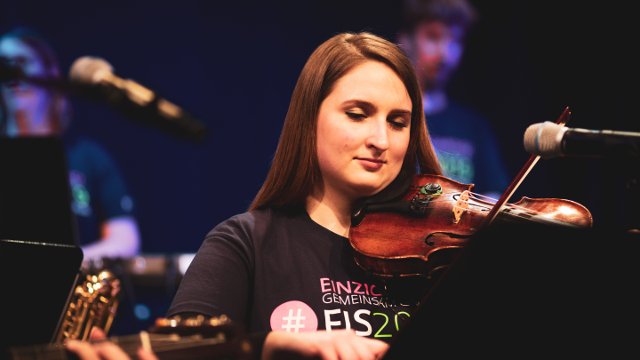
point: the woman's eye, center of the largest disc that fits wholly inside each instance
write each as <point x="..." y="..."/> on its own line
<point x="398" y="123"/>
<point x="356" y="115"/>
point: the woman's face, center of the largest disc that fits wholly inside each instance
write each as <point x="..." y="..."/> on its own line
<point x="24" y="101"/>
<point x="363" y="131"/>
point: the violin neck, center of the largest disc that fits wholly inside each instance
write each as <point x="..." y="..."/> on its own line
<point x="519" y="215"/>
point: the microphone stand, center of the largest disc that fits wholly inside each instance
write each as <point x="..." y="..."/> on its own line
<point x="192" y="129"/>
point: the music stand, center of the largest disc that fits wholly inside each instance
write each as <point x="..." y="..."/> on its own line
<point x="523" y="290"/>
<point x="37" y="280"/>
<point x="39" y="257"/>
<point x="34" y="191"/>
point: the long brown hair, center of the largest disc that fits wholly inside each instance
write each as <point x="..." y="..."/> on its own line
<point x="295" y="168"/>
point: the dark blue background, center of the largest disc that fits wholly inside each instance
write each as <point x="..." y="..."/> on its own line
<point x="234" y="65"/>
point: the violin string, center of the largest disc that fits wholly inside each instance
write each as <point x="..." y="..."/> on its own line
<point x="520" y="211"/>
<point x="476" y="196"/>
<point x="485" y="198"/>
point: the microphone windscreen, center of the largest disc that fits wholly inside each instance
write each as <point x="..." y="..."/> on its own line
<point x="89" y="70"/>
<point x="544" y="139"/>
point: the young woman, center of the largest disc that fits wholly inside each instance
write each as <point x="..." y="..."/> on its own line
<point x="354" y="129"/>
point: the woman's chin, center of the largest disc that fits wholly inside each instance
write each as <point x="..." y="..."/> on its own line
<point x="366" y="189"/>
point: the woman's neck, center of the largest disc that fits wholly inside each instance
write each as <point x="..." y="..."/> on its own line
<point x="329" y="213"/>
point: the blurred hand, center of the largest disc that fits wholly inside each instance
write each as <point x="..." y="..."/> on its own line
<point x="326" y="345"/>
<point x="99" y="348"/>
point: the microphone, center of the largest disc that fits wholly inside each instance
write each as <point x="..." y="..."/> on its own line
<point x="10" y="73"/>
<point x="550" y="140"/>
<point x="133" y="99"/>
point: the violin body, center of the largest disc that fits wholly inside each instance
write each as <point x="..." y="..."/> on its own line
<point x="443" y="215"/>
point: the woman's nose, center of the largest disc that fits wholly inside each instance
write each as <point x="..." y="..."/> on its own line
<point x="378" y="134"/>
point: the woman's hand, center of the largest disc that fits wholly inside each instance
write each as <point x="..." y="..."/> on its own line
<point x="326" y="345"/>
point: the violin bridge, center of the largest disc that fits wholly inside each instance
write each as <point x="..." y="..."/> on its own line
<point x="461" y="206"/>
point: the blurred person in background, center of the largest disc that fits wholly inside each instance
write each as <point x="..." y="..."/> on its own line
<point x="433" y="36"/>
<point x="101" y="203"/>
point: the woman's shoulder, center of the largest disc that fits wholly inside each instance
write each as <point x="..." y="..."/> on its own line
<point x="245" y="220"/>
<point x="264" y="215"/>
<point x="253" y="222"/>
<point x="250" y="217"/>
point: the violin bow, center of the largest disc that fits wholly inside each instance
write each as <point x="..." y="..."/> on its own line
<point x="524" y="171"/>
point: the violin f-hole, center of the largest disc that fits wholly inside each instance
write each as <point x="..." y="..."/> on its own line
<point x="431" y="242"/>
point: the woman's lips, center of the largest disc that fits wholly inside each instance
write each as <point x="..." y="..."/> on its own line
<point x="371" y="164"/>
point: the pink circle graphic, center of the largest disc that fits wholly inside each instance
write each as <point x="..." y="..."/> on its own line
<point x="294" y="316"/>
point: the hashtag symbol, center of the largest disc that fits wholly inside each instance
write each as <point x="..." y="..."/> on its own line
<point x="293" y="323"/>
<point x="293" y="316"/>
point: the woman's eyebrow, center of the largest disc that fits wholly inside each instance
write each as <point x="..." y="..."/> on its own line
<point x="366" y="105"/>
<point x="360" y="103"/>
<point x="401" y="112"/>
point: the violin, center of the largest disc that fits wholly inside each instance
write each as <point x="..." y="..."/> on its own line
<point x="419" y="234"/>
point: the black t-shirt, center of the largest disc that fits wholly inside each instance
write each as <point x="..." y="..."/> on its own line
<point x="270" y="270"/>
<point x="98" y="190"/>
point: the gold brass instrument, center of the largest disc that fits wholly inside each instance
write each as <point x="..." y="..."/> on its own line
<point x="94" y="302"/>
<point x="95" y="299"/>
